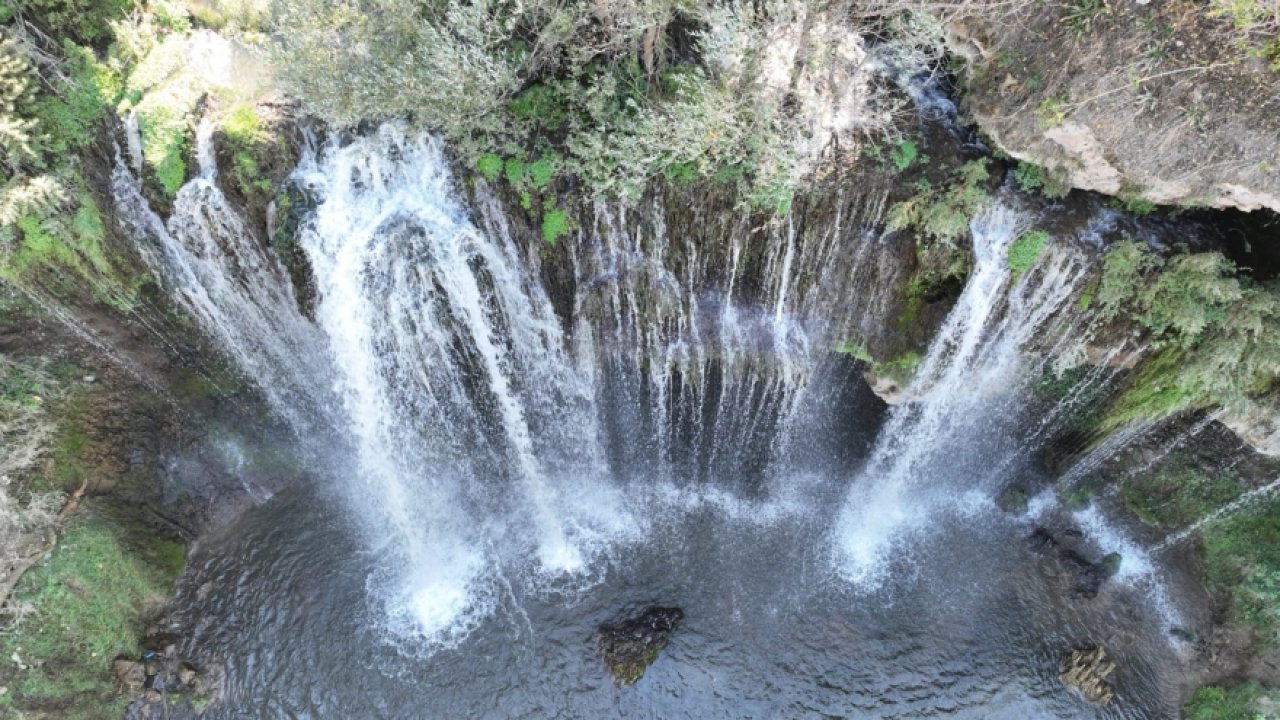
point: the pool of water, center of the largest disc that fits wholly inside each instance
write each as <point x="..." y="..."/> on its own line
<point x="969" y="625"/>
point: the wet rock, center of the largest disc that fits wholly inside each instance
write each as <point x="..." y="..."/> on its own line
<point x="1013" y="500"/>
<point x="630" y="646"/>
<point x="1087" y="671"/>
<point x="162" y="643"/>
<point x="131" y="674"/>
<point x="187" y="674"/>
<point x="886" y="388"/>
<point x="1080" y="576"/>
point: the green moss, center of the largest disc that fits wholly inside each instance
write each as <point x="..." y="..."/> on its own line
<point x="515" y="170"/>
<point x="542" y="170"/>
<point x="555" y="224"/>
<point x="1242" y="561"/>
<point x="1178" y="493"/>
<point x="489" y="166"/>
<point x="1024" y="252"/>
<point x="1218" y="703"/>
<point x="92" y="599"/>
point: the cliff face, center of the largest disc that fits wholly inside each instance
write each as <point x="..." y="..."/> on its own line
<point x="1158" y="102"/>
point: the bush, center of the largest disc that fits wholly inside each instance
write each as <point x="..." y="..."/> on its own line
<point x="623" y="93"/>
<point x="1217" y="703"/>
<point x="1215" y="333"/>
<point x="944" y="213"/>
<point x="1242" y="561"/>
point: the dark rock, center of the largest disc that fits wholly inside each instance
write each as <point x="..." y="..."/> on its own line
<point x="630" y="646"/>
<point x="1012" y="500"/>
<point x="162" y="643"/>
<point x="1063" y="559"/>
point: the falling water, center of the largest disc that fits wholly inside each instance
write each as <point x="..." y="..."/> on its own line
<point x="936" y="454"/>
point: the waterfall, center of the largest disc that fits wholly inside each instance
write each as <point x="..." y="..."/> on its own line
<point x="949" y="450"/>
<point x="496" y="415"/>
<point x="212" y="264"/>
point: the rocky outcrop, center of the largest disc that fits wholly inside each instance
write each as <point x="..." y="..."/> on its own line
<point x="1087" y="671"/>
<point x="630" y="646"/>
<point x="1257" y="424"/>
<point x="1158" y="102"/>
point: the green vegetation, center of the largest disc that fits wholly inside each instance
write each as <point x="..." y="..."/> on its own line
<point x="1216" y="334"/>
<point x="900" y="368"/>
<point x="1217" y="703"/>
<point x="1024" y="252"/>
<point x="247" y="139"/>
<point x="89" y="602"/>
<point x="1134" y="204"/>
<point x="622" y="93"/>
<point x="1242" y="561"/>
<point x="905" y="154"/>
<point x="944" y="213"/>
<point x="51" y="111"/>
<point x="1053" y="110"/>
<point x="1178" y="493"/>
<point x="1083" y="16"/>
<point x="1033" y="178"/>
<point x="555" y="224"/>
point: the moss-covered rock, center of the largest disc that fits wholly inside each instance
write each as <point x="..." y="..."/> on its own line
<point x="630" y="646"/>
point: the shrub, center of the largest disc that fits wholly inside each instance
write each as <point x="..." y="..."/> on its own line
<point x="1216" y="334"/>
<point x="1218" y="703"/>
<point x="944" y="213"/>
<point x="1242" y="561"/>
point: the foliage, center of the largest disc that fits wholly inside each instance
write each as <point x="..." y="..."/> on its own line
<point x="87" y="603"/>
<point x="246" y="137"/>
<point x="622" y="93"/>
<point x="1216" y="333"/>
<point x="1024" y="252"/>
<point x="1178" y="493"/>
<point x="904" y="154"/>
<point x="555" y="224"/>
<point x="1028" y="177"/>
<point x="900" y="368"/>
<point x="49" y="114"/>
<point x="944" y="213"/>
<point x="1242" y="560"/>
<point x="1218" y="703"/>
<point x="489" y="166"/>
<point x="1084" y="15"/>
<point x="83" y="21"/>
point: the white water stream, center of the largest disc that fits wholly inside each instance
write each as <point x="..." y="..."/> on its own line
<point x="475" y="434"/>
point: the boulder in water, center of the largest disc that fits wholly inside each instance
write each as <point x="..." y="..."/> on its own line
<point x="1087" y="671"/>
<point x="630" y="646"/>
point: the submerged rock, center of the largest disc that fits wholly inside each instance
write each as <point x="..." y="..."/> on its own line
<point x="1087" y="671"/>
<point x="1081" y="576"/>
<point x="630" y="646"/>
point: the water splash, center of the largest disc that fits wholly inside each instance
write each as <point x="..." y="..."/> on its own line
<point x="934" y="452"/>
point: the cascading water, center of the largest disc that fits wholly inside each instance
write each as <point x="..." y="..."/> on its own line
<point x="944" y="451"/>
<point x="520" y="451"/>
